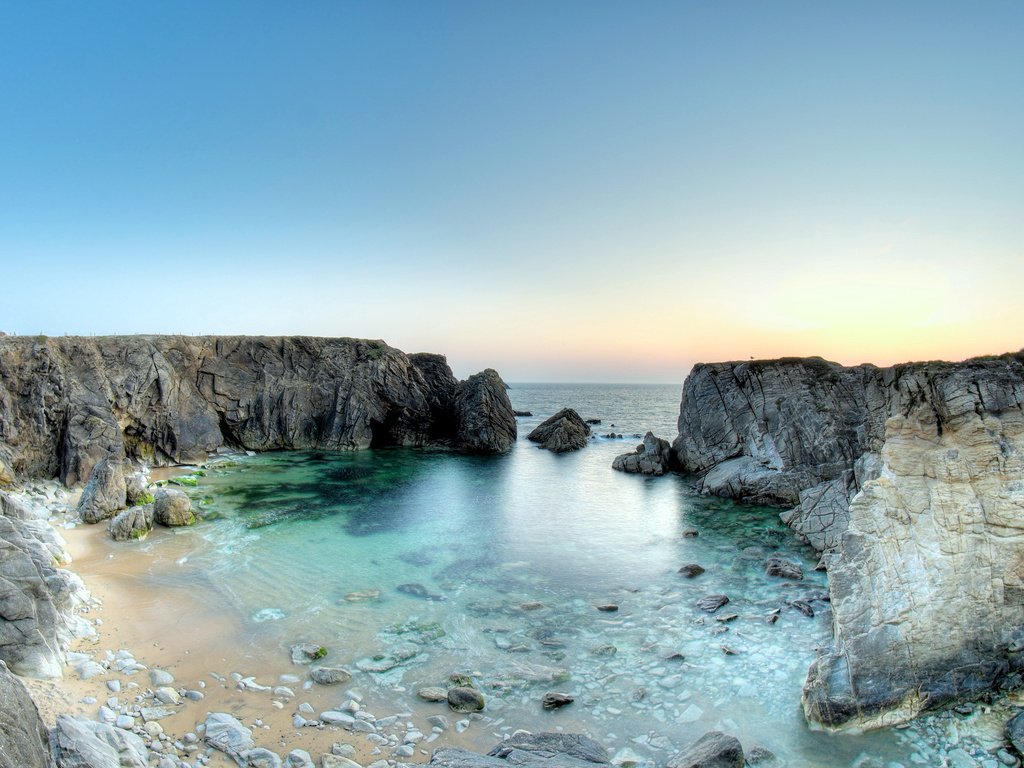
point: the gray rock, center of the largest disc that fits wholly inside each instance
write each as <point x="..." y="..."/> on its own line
<point x="784" y="569"/>
<point x="691" y="570"/>
<point x="432" y="693"/>
<point x="555" y="700"/>
<point x="551" y="748"/>
<point x="712" y="750"/>
<point x="1015" y="732"/>
<point x="66" y="399"/>
<point x="463" y="699"/>
<point x="258" y="757"/>
<point x="79" y="743"/>
<point x="173" y="508"/>
<point x="24" y="740"/>
<point x="654" y="456"/>
<point x="299" y="758"/>
<point x="226" y="734"/>
<point x="160" y="677"/>
<point x="338" y="761"/>
<point x="563" y="432"/>
<point x="712" y="603"/>
<point x="131" y="524"/>
<point x="105" y="493"/>
<point x="307" y="653"/>
<point x="330" y="675"/>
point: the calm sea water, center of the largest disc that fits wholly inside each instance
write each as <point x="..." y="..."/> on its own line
<point x="495" y="565"/>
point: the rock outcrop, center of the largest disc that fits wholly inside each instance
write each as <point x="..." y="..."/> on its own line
<point x="563" y="432"/>
<point x="68" y="403"/>
<point x="24" y="740"/>
<point x="38" y="599"/>
<point x="528" y="750"/>
<point x="911" y="478"/>
<point x="653" y="456"/>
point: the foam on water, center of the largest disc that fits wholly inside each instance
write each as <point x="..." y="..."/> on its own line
<point x="411" y="565"/>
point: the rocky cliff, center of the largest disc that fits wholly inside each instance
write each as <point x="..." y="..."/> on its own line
<point x="66" y="403"/>
<point x="911" y="479"/>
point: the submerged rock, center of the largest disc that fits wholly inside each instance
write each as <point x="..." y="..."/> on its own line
<point x="784" y="569"/>
<point x="563" y="432"/>
<point x="712" y="750"/>
<point x="24" y="740"/>
<point x="307" y="653"/>
<point x="653" y="456"/>
<point x="105" y="493"/>
<point x="691" y="570"/>
<point x="464" y="699"/>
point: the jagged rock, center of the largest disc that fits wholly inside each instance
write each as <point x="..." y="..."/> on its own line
<point x="784" y="569"/>
<point x="105" y="493"/>
<point x="465" y="699"/>
<point x="652" y="457"/>
<point x="485" y="421"/>
<point x="563" y="432"/>
<point x="38" y="599"/>
<point x="228" y="735"/>
<point x="712" y="603"/>
<point x="712" y="750"/>
<point x="173" y="508"/>
<point x="24" y="740"/>
<point x="80" y="743"/>
<point x="132" y="523"/>
<point x="74" y="401"/>
<point x="912" y="480"/>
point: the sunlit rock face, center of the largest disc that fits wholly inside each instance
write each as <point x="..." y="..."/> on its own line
<point x="67" y="403"/>
<point x="910" y="478"/>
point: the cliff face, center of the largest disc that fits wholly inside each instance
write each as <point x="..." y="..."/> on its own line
<point x="911" y="478"/>
<point x="66" y="403"/>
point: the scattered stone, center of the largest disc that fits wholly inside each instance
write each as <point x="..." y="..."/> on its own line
<point x="784" y="569"/>
<point x="307" y="653"/>
<point x="432" y="693"/>
<point x="712" y="603"/>
<point x="159" y="677"/>
<point x="691" y="570"/>
<point x="464" y="699"/>
<point x="691" y="533"/>
<point x="338" y="761"/>
<point x="167" y="695"/>
<point x="299" y="758"/>
<point x="554" y="700"/>
<point x="729" y="650"/>
<point x="258" y="757"/>
<point x="803" y="607"/>
<point x="727" y="617"/>
<point x="712" y="750"/>
<point x="607" y="607"/>
<point x="418" y="590"/>
<point x="330" y="675"/>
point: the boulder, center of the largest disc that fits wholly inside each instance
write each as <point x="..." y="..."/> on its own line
<point x="653" y="456"/>
<point x="173" y="508"/>
<point x="132" y="524"/>
<point x="484" y="419"/>
<point x="563" y="432"/>
<point x="77" y="742"/>
<point x="226" y="734"/>
<point x="712" y="750"/>
<point x="330" y="675"/>
<point x="24" y="740"/>
<point x="465" y="699"/>
<point x="105" y="493"/>
<point x="784" y="569"/>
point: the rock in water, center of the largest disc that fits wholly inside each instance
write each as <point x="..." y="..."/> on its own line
<point x="555" y="700"/>
<point x="712" y="603"/>
<point x="105" y="493"/>
<point x="24" y="740"/>
<point x="653" y="456"/>
<point x="485" y="421"/>
<point x="330" y="675"/>
<point x="563" y="432"/>
<point x="784" y="569"/>
<point x="173" y="508"/>
<point x="712" y="750"/>
<point x="691" y="570"/>
<point x="523" y="748"/>
<point x="463" y="699"/>
<point x="80" y="743"/>
<point x="67" y="398"/>
<point x="132" y="523"/>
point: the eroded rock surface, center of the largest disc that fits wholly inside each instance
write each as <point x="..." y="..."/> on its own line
<point x="911" y="479"/>
<point x="563" y="432"/>
<point x="68" y="403"/>
<point x="24" y="740"/>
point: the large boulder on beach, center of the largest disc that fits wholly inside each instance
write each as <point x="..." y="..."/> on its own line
<point x="24" y="740"/>
<point x="653" y="456"/>
<point x="132" y="524"/>
<point x="712" y="750"/>
<point x="106" y="492"/>
<point x="563" y="432"/>
<point x="485" y="421"/>
<point x="173" y="508"/>
<point x="77" y="742"/>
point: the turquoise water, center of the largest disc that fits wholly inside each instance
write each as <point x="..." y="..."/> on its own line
<point x="495" y="565"/>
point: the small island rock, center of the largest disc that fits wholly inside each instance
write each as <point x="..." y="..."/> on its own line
<point x="563" y="432"/>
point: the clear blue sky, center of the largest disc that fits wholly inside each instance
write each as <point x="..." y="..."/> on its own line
<point x="560" y="190"/>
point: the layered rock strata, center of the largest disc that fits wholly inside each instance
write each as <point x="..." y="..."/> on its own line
<point x="68" y="403"/>
<point x="911" y="478"/>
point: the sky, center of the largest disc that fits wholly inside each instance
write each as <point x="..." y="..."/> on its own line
<point x="564" y="191"/>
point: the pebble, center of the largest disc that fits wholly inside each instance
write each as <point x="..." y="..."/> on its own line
<point x="114" y="686"/>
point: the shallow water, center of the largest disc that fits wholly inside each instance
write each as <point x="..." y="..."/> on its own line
<point x="510" y="556"/>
